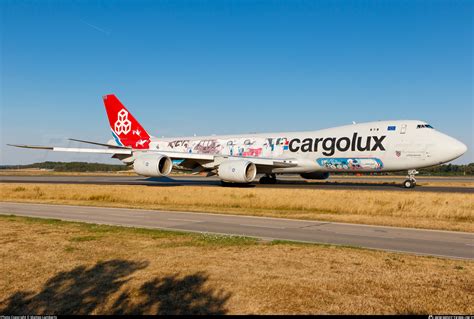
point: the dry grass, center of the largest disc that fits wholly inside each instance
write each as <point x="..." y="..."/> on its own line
<point x="406" y="209"/>
<point x="53" y="267"/>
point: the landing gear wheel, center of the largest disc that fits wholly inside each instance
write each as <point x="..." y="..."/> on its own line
<point x="409" y="183"/>
<point x="268" y="179"/>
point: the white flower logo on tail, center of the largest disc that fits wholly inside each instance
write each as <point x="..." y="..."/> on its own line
<point x="123" y="125"/>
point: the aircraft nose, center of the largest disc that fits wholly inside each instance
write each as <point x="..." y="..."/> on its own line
<point x="461" y="148"/>
<point x="457" y="148"/>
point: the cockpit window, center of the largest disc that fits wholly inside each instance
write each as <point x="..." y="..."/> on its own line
<point x="424" y="126"/>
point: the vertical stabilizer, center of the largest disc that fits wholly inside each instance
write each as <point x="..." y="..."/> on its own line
<point x="127" y="131"/>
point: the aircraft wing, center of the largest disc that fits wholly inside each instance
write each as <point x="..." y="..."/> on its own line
<point x="206" y="160"/>
<point x="216" y="159"/>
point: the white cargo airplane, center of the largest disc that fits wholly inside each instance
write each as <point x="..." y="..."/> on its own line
<point x="366" y="147"/>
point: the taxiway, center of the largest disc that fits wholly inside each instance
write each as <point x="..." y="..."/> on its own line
<point x="417" y="241"/>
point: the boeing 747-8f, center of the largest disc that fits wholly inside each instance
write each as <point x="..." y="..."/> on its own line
<point x="365" y="147"/>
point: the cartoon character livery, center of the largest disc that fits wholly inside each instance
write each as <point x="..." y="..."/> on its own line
<point x="365" y="147"/>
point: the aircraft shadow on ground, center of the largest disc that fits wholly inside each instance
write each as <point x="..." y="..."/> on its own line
<point x="334" y="184"/>
<point x="84" y="290"/>
<point x="167" y="181"/>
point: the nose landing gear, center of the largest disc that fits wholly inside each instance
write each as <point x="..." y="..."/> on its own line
<point x="268" y="179"/>
<point x="411" y="181"/>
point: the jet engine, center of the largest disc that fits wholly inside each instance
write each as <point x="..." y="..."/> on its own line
<point x="153" y="165"/>
<point x="237" y="171"/>
<point x="315" y="175"/>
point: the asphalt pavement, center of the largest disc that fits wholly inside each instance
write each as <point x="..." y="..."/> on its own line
<point x="409" y="240"/>
<point x="334" y="183"/>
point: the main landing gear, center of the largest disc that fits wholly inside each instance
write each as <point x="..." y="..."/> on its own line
<point x="411" y="181"/>
<point x="268" y="179"/>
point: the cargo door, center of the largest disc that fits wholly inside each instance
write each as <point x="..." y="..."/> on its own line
<point x="412" y="151"/>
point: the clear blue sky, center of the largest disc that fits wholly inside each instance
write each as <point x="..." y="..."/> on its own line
<point x="218" y="67"/>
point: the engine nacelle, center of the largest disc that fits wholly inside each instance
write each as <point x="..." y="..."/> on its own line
<point x="153" y="165"/>
<point x="315" y="175"/>
<point x="237" y="171"/>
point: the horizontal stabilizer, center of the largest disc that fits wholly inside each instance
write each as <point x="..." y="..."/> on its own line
<point x="125" y="151"/>
<point x="100" y="144"/>
<point x="93" y="150"/>
<point x="33" y="146"/>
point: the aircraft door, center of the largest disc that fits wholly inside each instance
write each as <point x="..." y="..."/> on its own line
<point x="403" y="130"/>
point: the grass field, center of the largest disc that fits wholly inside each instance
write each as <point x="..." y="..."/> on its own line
<point x="51" y="267"/>
<point x="406" y="209"/>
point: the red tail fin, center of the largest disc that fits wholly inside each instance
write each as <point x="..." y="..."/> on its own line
<point x="125" y="128"/>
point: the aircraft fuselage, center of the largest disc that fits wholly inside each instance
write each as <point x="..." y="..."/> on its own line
<point x="365" y="147"/>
